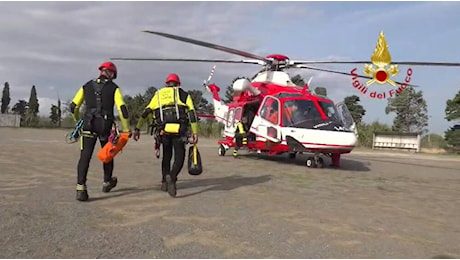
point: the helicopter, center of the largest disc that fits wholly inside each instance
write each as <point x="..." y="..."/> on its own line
<point x="283" y="117"/>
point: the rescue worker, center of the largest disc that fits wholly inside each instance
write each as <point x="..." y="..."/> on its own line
<point x="174" y="119"/>
<point x="291" y="113"/>
<point x="100" y="95"/>
<point x="241" y="135"/>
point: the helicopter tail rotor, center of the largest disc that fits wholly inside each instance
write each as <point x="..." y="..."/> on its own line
<point x="206" y="82"/>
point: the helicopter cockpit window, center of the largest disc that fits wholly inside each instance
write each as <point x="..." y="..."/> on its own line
<point x="238" y="114"/>
<point x="230" y="118"/>
<point x="330" y="111"/>
<point x="270" y="110"/>
<point x="300" y="113"/>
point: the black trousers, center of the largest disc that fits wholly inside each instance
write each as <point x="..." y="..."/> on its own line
<point x="239" y="140"/>
<point x="176" y="144"/>
<point x="88" y="144"/>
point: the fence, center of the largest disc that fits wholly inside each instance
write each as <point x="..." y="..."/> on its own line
<point x="390" y="140"/>
<point x="10" y="120"/>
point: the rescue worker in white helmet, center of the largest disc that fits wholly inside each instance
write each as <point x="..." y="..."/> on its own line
<point x="174" y="119"/>
<point x="100" y="96"/>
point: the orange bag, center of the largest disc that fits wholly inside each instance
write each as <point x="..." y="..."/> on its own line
<point x="108" y="152"/>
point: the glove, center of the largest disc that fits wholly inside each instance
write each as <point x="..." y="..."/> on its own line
<point x="193" y="139"/>
<point x="129" y="132"/>
<point x="137" y="134"/>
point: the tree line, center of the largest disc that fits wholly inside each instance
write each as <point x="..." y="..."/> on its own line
<point x="409" y="107"/>
<point x="28" y="110"/>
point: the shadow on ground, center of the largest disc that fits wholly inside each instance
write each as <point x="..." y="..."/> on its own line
<point x="120" y="192"/>
<point x="345" y="164"/>
<point x="426" y="164"/>
<point x="220" y="184"/>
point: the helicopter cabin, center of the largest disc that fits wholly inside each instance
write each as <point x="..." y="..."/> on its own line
<point x="292" y="108"/>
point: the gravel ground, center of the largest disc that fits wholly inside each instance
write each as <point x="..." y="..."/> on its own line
<point x="378" y="205"/>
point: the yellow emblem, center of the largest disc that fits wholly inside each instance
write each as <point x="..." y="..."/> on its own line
<point x="381" y="59"/>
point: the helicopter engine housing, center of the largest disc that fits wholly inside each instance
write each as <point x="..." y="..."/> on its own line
<point x="241" y="85"/>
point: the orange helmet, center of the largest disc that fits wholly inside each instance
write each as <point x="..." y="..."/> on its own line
<point x="172" y="78"/>
<point x="109" y="66"/>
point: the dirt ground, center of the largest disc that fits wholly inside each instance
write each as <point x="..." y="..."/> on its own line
<point x="378" y="205"/>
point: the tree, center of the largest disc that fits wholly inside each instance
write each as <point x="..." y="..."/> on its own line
<point x="356" y="110"/>
<point x="432" y="141"/>
<point x="54" y="115"/>
<point x="452" y="137"/>
<point x="366" y="132"/>
<point x="321" y="91"/>
<point x="452" y="110"/>
<point x="33" y="108"/>
<point x="410" y="109"/>
<point x="149" y="93"/>
<point x="135" y="106"/>
<point x="201" y="104"/>
<point x="229" y="93"/>
<point x="20" y="108"/>
<point x="59" y="112"/>
<point x="298" y="80"/>
<point x="5" y="98"/>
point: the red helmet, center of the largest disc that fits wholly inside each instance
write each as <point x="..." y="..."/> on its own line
<point x="172" y="78"/>
<point x="109" y="66"/>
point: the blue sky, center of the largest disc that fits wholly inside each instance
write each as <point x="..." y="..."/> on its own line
<point x="57" y="46"/>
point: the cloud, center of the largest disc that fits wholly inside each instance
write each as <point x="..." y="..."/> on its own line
<point x="45" y="105"/>
<point x="57" y="46"/>
<point x="294" y="11"/>
<point x="62" y="43"/>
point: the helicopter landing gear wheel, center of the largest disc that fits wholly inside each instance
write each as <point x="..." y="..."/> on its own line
<point x="315" y="162"/>
<point x="320" y="163"/>
<point x="221" y="150"/>
<point x="310" y="162"/>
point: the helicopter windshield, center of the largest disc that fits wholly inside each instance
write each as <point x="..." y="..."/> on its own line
<point x="301" y="113"/>
<point x="330" y="111"/>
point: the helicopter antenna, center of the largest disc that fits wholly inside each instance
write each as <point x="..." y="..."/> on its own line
<point x="308" y="83"/>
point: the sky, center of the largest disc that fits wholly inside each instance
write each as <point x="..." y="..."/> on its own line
<point x="58" y="46"/>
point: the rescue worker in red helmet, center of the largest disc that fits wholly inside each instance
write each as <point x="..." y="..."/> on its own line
<point x="174" y="119"/>
<point x="100" y="96"/>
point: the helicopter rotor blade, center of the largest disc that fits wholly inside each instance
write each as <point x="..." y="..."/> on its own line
<point x="193" y="60"/>
<point x="210" y="45"/>
<point x="344" y="73"/>
<point x="413" y="63"/>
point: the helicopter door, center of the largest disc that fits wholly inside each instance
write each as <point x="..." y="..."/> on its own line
<point x="267" y="120"/>
<point x="346" y="117"/>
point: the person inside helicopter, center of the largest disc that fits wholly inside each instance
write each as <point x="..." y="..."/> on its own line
<point x="273" y="113"/>
<point x="304" y="114"/>
<point x="300" y="113"/>
<point x="249" y="115"/>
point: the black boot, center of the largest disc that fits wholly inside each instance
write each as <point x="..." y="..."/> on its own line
<point x="171" y="186"/>
<point x="82" y="193"/>
<point x="107" y="186"/>
<point x="164" y="186"/>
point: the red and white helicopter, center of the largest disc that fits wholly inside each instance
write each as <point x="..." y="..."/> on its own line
<point x="283" y="117"/>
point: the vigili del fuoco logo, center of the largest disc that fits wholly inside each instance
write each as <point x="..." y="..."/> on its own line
<point x="381" y="72"/>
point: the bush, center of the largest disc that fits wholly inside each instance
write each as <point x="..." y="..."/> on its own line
<point x="366" y="132"/>
<point x="433" y="141"/>
<point x="210" y="129"/>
